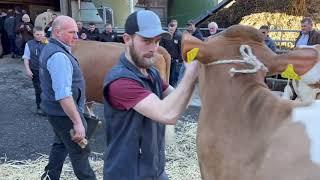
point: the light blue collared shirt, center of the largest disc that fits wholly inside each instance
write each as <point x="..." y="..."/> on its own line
<point x="303" y="40"/>
<point x="60" y="69"/>
<point x="26" y="53"/>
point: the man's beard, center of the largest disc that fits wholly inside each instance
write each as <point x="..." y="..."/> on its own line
<point x="140" y="62"/>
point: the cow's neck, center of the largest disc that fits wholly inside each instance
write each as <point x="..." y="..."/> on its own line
<point x="237" y="115"/>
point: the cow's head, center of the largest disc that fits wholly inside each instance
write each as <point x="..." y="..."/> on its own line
<point x="226" y="45"/>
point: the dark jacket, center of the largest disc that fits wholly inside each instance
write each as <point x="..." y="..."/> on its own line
<point x="10" y="26"/>
<point x="198" y="34"/>
<point x="94" y="35"/>
<point x="135" y="143"/>
<point x="26" y="34"/>
<point x="2" y="19"/>
<point x="314" y="38"/>
<point x="108" y="37"/>
<point x="48" y="103"/>
<point x="173" y="46"/>
<point x="82" y="30"/>
<point x="17" y="19"/>
<point x="48" y="29"/>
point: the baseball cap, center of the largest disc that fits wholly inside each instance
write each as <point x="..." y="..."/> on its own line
<point x="145" y="23"/>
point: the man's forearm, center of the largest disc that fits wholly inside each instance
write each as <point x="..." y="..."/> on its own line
<point x="176" y="102"/>
<point x="26" y="64"/>
<point x="69" y="107"/>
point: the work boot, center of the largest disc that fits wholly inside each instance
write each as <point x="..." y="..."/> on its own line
<point x="40" y="112"/>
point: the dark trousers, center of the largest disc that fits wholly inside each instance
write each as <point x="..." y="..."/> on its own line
<point x="163" y="176"/>
<point x="12" y="44"/>
<point x="5" y="43"/>
<point x="36" y="85"/>
<point x="181" y="72"/>
<point x="174" y="72"/>
<point x="62" y="146"/>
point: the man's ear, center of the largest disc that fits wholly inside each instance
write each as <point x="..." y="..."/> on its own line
<point x="127" y="38"/>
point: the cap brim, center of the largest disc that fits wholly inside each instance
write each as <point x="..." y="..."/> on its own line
<point x="154" y="33"/>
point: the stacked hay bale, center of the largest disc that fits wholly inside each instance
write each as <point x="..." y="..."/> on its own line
<point x="278" y="14"/>
<point x="241" y="8"/>
<point x="277" y="22"/>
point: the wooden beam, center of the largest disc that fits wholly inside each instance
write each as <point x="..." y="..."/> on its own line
<point x="36" y="2"/>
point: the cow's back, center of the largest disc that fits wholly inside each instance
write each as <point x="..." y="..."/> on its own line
<point x="97" y="58"/>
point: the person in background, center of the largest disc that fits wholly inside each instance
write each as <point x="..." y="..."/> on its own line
<point x="191" y="28"/>
<point x="308" y="36"/>
<point x="10" y="29"/>
<point x="138" y="104"/>
<point x="18" y="15"/>
<point x="173" y="46"/>
<point x="48" y="28"/>
<point x="63" y="100"/>
<point x="24" y="29"/>
<point x="267" y="40"/>
<point x="4" y="37"/>
<point x="213" y="29"/>
<point x="108" y="35"/>
<point x="93" y="33"/>
<point x="82" y="31"/>
<point x="31" y="55"/>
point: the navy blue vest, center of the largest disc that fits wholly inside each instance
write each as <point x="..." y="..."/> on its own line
<point x="35" y="48"/>
<point x="48" y="102"/>
<point x="135" y="143"/>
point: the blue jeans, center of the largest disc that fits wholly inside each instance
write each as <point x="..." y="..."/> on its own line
<point x="12" y="44"/>
<point x="174" y="72"/>
<point x="181" y="72"/>
<point x="62" y="146"/>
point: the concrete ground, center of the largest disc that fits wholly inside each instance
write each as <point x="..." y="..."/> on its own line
<point x="24" y="134"/>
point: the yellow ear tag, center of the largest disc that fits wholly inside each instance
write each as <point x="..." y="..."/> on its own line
<point x="192" y="54"/>
<point x="290" y="74"/>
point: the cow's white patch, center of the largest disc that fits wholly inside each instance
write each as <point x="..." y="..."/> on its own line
<point x="310" y="117"/>
<point x="304" y="91"/>
<point x="313" y="75"/>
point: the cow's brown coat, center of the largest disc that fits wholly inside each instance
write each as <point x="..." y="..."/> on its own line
<point x="97" y="58"/>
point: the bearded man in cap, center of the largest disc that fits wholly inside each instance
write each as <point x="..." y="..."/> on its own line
<point x="138" y="103"/>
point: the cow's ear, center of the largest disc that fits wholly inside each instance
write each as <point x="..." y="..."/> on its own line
<point x="302" y="59"/>
<point x="188" y="43"/>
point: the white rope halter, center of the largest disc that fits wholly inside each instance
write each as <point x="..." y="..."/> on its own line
<point x="248" y="58"/>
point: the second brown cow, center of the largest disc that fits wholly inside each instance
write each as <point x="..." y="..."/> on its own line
<point x="97" y="58"/>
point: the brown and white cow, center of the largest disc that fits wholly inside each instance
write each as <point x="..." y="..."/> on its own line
<point x="244" y="131"/>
